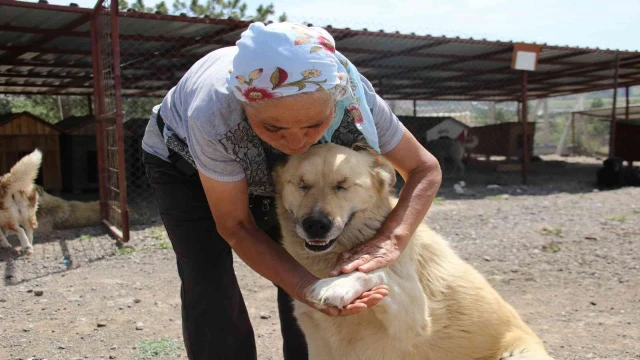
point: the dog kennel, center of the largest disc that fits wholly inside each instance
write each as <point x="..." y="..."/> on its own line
<point x="20" y="134"/>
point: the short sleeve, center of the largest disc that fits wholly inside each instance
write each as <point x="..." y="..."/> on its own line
<point x="210" y="158"/>
<point x="389" y="128"/>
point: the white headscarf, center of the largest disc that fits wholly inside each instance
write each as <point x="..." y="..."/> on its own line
<point x="283" y="59"/>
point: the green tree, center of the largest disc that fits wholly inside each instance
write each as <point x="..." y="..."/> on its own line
<point x="230" y="9"/>
<point x="139" y="6"/>
<point x="5" y="105"/>
<point x="597" y="103"/>
<point x="162" y="7"/>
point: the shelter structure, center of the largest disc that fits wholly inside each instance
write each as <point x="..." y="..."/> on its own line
<point x="113" y="55"/>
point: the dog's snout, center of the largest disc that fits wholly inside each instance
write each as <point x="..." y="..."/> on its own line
<point x="317" y="227"/>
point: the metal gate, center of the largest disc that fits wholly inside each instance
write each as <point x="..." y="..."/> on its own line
<point x="108" y="110"/>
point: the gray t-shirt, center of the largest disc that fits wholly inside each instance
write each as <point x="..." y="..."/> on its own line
<point x="205" y="123"/>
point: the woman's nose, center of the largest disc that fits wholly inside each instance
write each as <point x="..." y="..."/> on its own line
<point x="294" y="140"/>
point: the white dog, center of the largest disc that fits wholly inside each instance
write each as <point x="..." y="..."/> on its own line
<point x="439" y="307"/>
<point x="19" y="201"/>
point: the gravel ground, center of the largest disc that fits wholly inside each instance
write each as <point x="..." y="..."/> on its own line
<point x="565" y="256"/>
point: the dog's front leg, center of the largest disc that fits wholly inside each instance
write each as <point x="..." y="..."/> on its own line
<point x="4" y="243"/>
<point x="24" y="240"/>
<point x="340" y="291"/>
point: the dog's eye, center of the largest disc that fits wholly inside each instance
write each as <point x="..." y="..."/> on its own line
<point x="339" y="188"/>
<point x="304" y="187"/>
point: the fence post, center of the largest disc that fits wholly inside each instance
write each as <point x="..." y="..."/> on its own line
<point x="525" y="139"/>
<point x="612" y="129"/>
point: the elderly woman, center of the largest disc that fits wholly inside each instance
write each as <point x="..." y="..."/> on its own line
<point x="209" y="150"/>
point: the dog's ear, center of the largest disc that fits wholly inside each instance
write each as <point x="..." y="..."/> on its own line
<point x="384" y="173"/>
<point x="362" y="145"/>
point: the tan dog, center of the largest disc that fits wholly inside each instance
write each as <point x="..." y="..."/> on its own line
<point x="439" y="308"/>
<point x="19" y="201"/>
<point x="56" y="213"/>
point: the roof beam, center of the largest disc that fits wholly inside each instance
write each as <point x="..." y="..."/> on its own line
<point x="40" y="6"/>
<point x="52" y="35"/>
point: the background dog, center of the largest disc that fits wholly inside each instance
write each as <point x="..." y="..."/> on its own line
<point x="55" y="213"/>
<point x="450" y="152"/>
<point x="19" y="201"/>
<point x="439" y="308"/>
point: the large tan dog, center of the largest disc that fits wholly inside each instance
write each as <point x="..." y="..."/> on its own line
<point x="19" y="201"/>
<point x="55" y="213"/>
<point x="439" y="308"/>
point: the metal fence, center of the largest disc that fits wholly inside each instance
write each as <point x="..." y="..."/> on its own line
<point x="109" y="119"/>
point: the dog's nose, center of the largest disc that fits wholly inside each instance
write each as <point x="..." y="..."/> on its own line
<point x="317" y="227"/>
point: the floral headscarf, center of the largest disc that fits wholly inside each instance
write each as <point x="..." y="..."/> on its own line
<point x="284" y="59"/>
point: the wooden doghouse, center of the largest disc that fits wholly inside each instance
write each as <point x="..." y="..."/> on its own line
<point x="79" y="153"/>
<point x="79" y="156"/>
<point x="428" y="128"/>
<point x="20" y="134"/>
<point x="504" y="139"/>
<point x="627" y="142"/>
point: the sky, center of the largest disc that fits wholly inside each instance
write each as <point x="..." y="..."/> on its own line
<point x="612" y="24"/>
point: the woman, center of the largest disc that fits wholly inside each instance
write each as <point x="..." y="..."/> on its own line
<point x="210" y="147"/>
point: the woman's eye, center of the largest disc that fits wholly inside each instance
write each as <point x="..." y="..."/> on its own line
<point x="339" y="188"/>
<point x="272" y="129"/>
<point x="304" y="187"/>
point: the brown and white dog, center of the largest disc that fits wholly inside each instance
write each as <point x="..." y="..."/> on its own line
<point x="19" y="201"/>
<point x="439" y="307"/>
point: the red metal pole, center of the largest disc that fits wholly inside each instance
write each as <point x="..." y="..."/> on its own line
<point x="626" y="110"/>
<point x="612" y="129"/>
<point x="525" y="142"/>
<point x="122" y="185"/>
<point x="98" y="96"/>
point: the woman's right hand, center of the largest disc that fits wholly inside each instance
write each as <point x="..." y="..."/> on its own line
<point x="366" y="300"/>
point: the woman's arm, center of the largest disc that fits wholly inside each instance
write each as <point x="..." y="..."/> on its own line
<point x="229" y="204"/>
<point x="422" y="175"/>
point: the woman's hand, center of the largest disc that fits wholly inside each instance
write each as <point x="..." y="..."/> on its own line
<point x="380" y="251"/>
<point x="365" y="301"/>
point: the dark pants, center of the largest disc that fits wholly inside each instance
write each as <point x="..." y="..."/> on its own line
<point x="215" y="323"/>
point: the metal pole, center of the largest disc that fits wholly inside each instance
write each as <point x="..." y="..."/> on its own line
<point x="626" y="111"/>
<point x="612" y="129"/>
<point x="415" y="112"/>
<point x="98" y="96"/>
<point x="122" y="185"/>
<point x="525" y="142"/>
<point x="573" y="133"/>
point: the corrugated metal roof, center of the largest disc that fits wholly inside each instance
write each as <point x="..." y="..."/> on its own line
<point x="47" y="49"/>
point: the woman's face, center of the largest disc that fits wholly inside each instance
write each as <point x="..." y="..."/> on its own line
<point x="292" y="124"/>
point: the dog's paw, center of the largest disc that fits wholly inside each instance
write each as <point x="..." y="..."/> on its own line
<point x="338" y="291"/>
<point x="27" y="250"/>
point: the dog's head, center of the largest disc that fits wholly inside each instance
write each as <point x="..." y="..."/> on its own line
<point x="321" y="192"/>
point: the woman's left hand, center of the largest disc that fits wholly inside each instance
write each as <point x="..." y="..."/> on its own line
<point x="378" y="252"/>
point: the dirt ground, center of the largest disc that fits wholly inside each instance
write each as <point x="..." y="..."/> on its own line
<point x="565" y="256"/>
